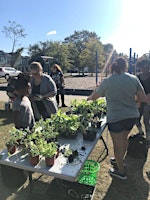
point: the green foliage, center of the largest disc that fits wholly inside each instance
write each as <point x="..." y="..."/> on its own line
<point x="85" y="44"/>
<point x="77" y="50"/>
<point x="88" y="111"/>
<point x="49" y="150"/>
<point x="15" y="135"/>
<point x="65" y="124"/>
<point x="88" y="55"/>
<point x="58" y="50"/>
<point x="33" y="149"/>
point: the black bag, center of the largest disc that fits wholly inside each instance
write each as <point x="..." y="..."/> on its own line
<point x="137" y="146"/>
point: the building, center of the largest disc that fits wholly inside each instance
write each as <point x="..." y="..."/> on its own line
<point x="21" y="64"/>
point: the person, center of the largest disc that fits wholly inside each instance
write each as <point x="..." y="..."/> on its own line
<point x="58" y="77"/>
<point x="10" y="89"/>
<point x="120" y="89"/>
<point x="43" y="92"/>
<point x="144" y="65"/>
<point x="22" y="110"/>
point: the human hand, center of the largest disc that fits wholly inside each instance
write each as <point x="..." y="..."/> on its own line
<point x="38" y="97"/>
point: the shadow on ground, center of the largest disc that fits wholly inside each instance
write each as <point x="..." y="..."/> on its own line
<point x="135" y="187"/>
<point x="55" y="189"/>
<point x="6" y="116"/>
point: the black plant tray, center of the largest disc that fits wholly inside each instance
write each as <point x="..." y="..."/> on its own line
<point x="90" y="134"/>
<point x="69" y="136"/>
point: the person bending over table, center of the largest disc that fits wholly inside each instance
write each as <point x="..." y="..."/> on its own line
<point x="43" y="92"/>
<point x="120" y="90"/>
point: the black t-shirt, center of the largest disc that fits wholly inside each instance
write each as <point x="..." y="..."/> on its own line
<point x="145" y="83"/>
<point x="39" y="104"/>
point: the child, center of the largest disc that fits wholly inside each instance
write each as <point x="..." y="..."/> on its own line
<point x="23" y="113"/>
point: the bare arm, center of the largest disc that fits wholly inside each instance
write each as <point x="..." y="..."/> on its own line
<point x="93" y="96"/>
<point x="141" y="96"/>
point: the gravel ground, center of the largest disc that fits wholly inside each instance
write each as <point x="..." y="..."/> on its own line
<point x="85" y="83"/>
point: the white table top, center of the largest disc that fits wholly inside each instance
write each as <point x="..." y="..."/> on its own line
<point x="62" y="168"/>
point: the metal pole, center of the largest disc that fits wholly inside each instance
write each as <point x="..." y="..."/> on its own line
<point x="96" y="68"/>
<point x="130" y="55"/>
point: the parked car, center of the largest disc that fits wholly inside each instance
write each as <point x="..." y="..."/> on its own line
<point x="9" y="72"/>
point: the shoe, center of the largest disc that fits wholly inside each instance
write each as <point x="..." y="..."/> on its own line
<point x="114" y="164"/>
<point x="113" y="161"/>
<point x="116" y="173"/>
<point x="64" y="105"/>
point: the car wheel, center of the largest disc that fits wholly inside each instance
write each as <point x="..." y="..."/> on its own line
<point x="7" y="76"/>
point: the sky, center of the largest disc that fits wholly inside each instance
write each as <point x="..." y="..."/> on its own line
<point x="123" y="23"/>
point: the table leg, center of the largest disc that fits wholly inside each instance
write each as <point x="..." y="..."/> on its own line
<point x="30" y="183"/>
<point x="104" y="150"/>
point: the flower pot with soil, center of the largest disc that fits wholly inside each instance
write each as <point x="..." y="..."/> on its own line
<point x="49" y="151"/>
<point x="33" y="152"/>
<point x="11" y="146"/>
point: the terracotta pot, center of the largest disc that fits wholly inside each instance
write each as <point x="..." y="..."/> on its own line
<point x="50" y="161"/>
<point x="11" y="149"/>
<point x="34" y="160"/>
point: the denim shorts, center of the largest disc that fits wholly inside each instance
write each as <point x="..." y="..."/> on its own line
<point x="122" y="125"/>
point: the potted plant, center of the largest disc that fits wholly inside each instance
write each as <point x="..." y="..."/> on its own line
<point x="49" y="151"/>
<point x="33" y="152"/>
<point x="70" y="154"/>
<point x="18" y="135"/>
<point x="90" y="133"/>
<point x="50" y="135"/>
<point x="96" y="122"/>
<point x="11" y="146"/>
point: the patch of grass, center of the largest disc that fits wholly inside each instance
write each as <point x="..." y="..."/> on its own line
<point x="3" y="80"/>
<point x="6" y="123"/>
<point x="136" y="187"/>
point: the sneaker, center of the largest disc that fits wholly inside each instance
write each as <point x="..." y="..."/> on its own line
<point x="114" y="163"/>
<point x="116" y="173"/>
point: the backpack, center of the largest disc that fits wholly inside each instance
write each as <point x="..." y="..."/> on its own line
<point x="137" y="146"/>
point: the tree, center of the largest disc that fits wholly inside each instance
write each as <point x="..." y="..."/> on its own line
<point x="79" y="39"/>
<point x="88" y="55"/>
<point x="14" y="32"/>
<point x="57" y="50"/>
